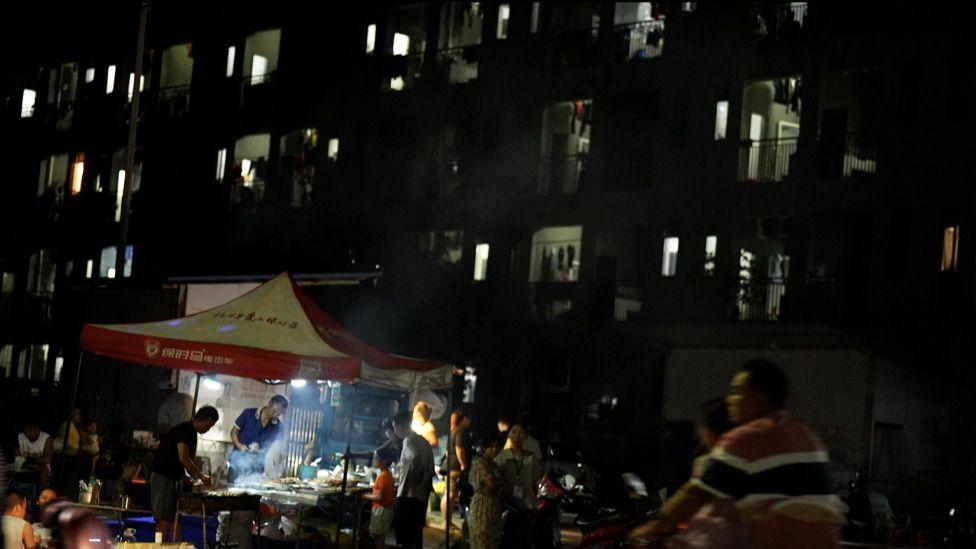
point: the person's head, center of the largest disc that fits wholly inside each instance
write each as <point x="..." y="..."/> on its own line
<point x="503" y="424"/>
<point x="517" y="435"/>
<point x="167" y="388"/>
<point x="15" y="504"/>
<point x="76" y="416"/>
<point x="89" y="427"/>
<point x="422" y="411"/>
<point x="759" y="388"/>
<point x="46" y="496"/>
<point x="277" y="406"/>
<point x="401" y="424"/>
<point x="384" y="457"/>
<point x="31" y="430"/>
<point x="713" y="421"/>
<point x="490" y="445"/>
<point x="205" y="418"/>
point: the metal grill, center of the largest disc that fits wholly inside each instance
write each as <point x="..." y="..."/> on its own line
<point x="302" y="426"/>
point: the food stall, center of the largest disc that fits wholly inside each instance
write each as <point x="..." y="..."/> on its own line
<point x="273" y="333"/>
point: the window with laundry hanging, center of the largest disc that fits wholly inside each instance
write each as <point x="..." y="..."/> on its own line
<point x="556" y="254"/>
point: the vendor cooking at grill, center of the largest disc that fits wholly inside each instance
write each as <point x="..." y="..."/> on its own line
<point x="173" y="462"/>
<point x="253" y="433"/>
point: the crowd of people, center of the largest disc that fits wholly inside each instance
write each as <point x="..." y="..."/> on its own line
<point x="762" y="482"/>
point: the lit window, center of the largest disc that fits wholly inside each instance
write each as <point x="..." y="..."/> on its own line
<point x="27" y="103"/>
<point x="669" y="260"/>
<point x="396" y="84"/>
<point x="689" y="6"/>
<point x="950" y="249"/>
<point x="119" y="193"/>
<point x="711" y="250"/>
<point x="77" y="173"/>
<point x="401" y="44"/>
<point x="504" y="10"/>
<point x="480" y="262"/>
<point x="371" y="38"/>
<point x="556" y="253"/>
<point x="107" y="269"/>
<point x="89" y="268"/>
<point x="221" y="163"/>
<point x="721" y="119"/>
<point x="89" y="75"/>
<point x="110" y="79"/>
<point x="231" y="54"/>
<point x="259" y="69"/>
<point x="333" y="152"/>
<point x="132" y="82"/>
<point x="534" y="27"/>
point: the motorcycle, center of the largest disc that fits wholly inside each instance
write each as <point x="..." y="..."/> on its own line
<point x="577" y="518"/>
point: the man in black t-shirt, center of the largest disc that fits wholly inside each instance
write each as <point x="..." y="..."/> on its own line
<point x="173" y="462"/>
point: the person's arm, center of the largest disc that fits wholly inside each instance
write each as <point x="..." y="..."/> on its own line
<point x="462" y="455"/>
<point x="187" y="463"/>
<point x="28" y="537"/>
<point x="48" y="454"/>
<point x="679" y="508"/>
<point x="234" y="431"/>
<point x="431" y="437"/>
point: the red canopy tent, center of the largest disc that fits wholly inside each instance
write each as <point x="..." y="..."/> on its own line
<point x="275" y="331"/>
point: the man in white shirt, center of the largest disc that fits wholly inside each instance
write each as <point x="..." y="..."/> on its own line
<point x="176" y="408"/>
<point x="36" y="448"/>
<point x="416" y="471"/>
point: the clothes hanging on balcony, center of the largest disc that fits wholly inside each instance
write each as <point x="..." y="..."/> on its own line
<point x="787" y="92"/>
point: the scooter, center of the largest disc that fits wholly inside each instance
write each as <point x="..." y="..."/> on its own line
<point x="597" y="526"/>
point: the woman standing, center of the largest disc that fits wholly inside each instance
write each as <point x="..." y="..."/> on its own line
<point x="485" y="517"/>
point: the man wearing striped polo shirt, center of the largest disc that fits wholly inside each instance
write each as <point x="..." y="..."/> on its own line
<point x="774" y="468"/>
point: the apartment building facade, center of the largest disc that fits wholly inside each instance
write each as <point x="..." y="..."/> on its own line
<point x="600" y="207"/>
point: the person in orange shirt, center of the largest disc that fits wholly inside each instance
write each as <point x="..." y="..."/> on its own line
<point x="382" y="497"/>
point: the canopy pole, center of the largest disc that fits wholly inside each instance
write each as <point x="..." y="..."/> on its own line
<point x="447" y="461"/>
<point x="71" y="411"/>
<point x="345" y="469"/>
<point x="196" y="393"/>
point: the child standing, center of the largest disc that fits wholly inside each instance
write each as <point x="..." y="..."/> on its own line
<point x="382" y="497"/>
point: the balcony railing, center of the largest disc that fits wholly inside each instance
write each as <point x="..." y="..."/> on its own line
<point x="766" y="159"/>
<point x="627" y="303"/>
<point x="562" y="174"/>
<point x="759" y="300"/>
<point x="639" y="41"/>
<point x="174" y="102"/>
<point x="460" y="65"/>
<point x="258" y="79"/>
<point x="848" y="155"/>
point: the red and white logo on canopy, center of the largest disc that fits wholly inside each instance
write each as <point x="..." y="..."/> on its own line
<point x="152" y="348"/>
